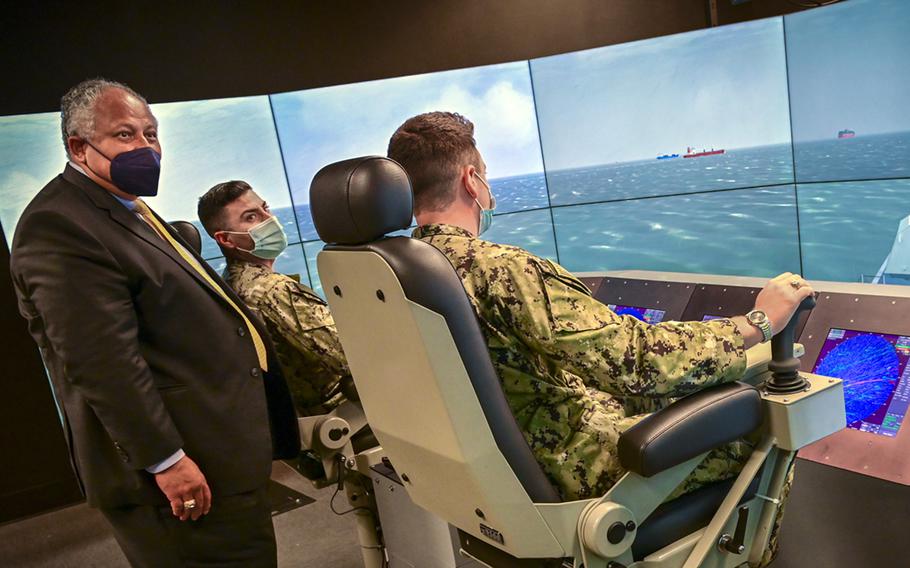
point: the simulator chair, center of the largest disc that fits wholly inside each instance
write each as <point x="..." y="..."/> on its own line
<point x="433" y="400"/>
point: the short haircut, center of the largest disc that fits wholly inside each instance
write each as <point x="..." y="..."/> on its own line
<point x="212" y="203"/>
<point x="77" y="108"/>
<point x="432" y="148"/>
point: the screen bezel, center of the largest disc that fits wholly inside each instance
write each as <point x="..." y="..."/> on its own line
<point x="866" y="453"/>
<point x="669" y="297"/>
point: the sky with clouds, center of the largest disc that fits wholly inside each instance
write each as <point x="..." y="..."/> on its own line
<point x="723" y="88"/>
<point x="321" y="126"/>
<point x="207" y="142"/>
<point x="31" y="153"/>
<point x="850" y="68"/>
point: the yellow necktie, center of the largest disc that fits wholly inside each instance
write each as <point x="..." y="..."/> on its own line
<point x="143" y="210"/>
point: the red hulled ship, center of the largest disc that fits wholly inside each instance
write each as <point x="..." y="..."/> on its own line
<point x="691" y="153"/>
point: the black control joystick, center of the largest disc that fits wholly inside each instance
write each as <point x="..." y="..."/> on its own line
<point x="784" y="367"/>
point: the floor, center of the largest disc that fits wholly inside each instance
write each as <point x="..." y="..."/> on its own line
<point x="835" y="519"/>
<point x="78" y="537"/>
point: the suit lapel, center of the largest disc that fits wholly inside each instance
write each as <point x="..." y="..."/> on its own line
<point x="103" y="199"/>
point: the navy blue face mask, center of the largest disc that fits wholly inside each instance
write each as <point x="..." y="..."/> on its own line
<point x="135" y="172"/>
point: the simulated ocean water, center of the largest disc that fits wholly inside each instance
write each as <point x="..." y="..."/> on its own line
<point x="847" y="229"/>
<point x="862" y="157"/>
<point x="746" y="167"/>
<point x="750" y="232"/>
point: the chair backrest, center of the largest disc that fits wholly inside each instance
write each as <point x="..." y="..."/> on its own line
<point x="420" y="361"/>
<point x="190" y="234"/>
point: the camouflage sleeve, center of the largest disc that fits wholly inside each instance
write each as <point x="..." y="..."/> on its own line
<point x="557" y="317"/>
<point x="304" y="322"/>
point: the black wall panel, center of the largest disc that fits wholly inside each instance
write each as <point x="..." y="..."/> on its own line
<point x="35" y="472"/>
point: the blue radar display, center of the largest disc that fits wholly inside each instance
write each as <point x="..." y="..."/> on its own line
<point x="874" y="369"/>
<point x="646" y="315"/>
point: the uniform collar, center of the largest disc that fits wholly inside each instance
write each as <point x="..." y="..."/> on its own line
<point x="236" y="267"/>
<point x="434" y="230"/>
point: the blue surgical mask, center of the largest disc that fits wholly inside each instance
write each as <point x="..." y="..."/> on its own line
<point x="486" y="215"/>
<point x="269" y="239"/>
<point x="135" y="172"/>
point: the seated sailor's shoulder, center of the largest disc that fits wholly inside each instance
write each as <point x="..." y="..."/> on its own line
<point x="254" y="281"/>
<point x="459" y="244"/>
<point x="508" y="271"/>
<point x="553" y="272"/>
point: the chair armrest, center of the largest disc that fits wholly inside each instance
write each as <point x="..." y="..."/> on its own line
<point x="690" y="426"/>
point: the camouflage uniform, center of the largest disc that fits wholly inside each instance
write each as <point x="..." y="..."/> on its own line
<point x="303" y="332"/>
<point x="577" y="375"/>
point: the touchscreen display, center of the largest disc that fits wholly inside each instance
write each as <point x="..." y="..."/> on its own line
<point x="644" y="314"/>
<point x="874" y="369"/>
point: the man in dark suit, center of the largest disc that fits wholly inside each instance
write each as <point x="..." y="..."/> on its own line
<point x="174" y="403"/>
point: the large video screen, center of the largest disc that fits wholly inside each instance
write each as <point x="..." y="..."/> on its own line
<point x="876" y="377"/>
<point x="849" y="68"/>
<point x="672" y="153"/>
<point x="685" y="113"/>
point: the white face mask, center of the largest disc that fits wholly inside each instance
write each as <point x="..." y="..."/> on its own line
<point x="486" y="215"/>
<point x="269" y="239"/>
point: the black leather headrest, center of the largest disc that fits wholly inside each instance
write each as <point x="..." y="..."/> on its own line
<point x="360" y="200"/>
<point x="190" y="234"/>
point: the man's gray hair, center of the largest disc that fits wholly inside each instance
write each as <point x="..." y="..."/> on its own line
<point x="77" y="107"/>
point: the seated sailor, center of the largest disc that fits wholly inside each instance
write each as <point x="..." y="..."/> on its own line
<point x="576" y="375"/>
<point x="298" y="320"/>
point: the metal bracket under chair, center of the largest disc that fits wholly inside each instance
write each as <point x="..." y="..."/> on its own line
<point x="712" y="533"/>
<point x="607" y="527"/>
<point x="329" y="435"/>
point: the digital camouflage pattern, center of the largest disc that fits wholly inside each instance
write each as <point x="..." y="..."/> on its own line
<point x="577" y="375"/>
<point x="303" y="331"/>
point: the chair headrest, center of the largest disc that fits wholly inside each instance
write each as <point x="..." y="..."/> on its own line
<point x="190" y="234"/>
<point x="360" y="200"/>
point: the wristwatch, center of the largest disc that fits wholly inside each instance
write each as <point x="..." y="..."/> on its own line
<point x="759" y="319"/>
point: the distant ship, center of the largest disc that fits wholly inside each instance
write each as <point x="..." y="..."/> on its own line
<point x="691" y="153"/>
<point x="667" y="156"/>
<point x="847" y="133"/>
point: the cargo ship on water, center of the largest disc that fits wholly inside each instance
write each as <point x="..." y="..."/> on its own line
<point x="846" y="133"/>
<point x="667" y="156"/>
<point x="691" y="153"/>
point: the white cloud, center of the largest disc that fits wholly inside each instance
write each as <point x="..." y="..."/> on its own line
<point x="504" y="121"/>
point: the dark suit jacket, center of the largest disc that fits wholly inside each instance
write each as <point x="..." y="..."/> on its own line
<point x="145" y="357"/>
